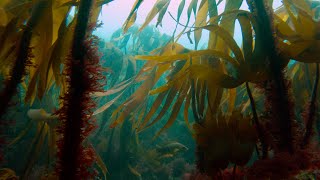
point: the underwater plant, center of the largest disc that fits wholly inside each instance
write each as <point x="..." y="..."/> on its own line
<point x="75" y="114"/>
<point x="195" y="78"/>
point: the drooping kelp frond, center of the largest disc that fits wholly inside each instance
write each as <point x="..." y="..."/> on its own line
<point x="262" y="58"/>
<point x="298" y="31"/>
<point x="179" y="84"/>
<point x="148" y="74"/>
<point x="43" y="34"/>
<point x="54" y="38"/>
<point x="222" y="140"/>
<point x="54" y="33"/>
<point x="224" y="60"/>
<point x="83" y="76"/>
<point x="50" y="39"/>
<point x="200" y="72"/>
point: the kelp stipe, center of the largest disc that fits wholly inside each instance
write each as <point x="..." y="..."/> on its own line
<point x="83" y="75"/>
<point x="277" y="95"/>
<point x="309" y="115"/>
<point x="259" y="128"/>
<point x="23" y="58"/>
<point x="19" y="67"/>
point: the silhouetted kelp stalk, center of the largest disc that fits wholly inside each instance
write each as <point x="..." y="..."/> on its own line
<point x="23" y="58"/>
<point x="289" y="158"/>
<point x="278" y="100"/>
<point x="258" y="126"/>
<point x="83" y="75"/>
<point x="309" y="115"/>
<point x="22" y="61"/>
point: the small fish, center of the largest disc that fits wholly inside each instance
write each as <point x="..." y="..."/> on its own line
<point x="171" y="148"/>
<point x="41" y="115"/>
<point x="134" y="171"/>
<point x="165" y="156"/>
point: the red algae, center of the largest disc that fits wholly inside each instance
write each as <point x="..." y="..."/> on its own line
<point x="83" y="75"/>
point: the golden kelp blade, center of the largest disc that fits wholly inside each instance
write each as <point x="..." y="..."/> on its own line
<point x="201" y="19"/>
<point x="132" y="16"/>
<point x="162" y="13"/>
<point x="6" y="173"/>
<point x="157" y="8"/>
<point x="300" y="42"/>
<point x="130" y="22"/>
<point x="176" y="108"/>
<point x="50" y="34"/>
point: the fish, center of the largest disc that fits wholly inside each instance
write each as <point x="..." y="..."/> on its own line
<point x="171" y="148"/>
<point x="41" y="115"/>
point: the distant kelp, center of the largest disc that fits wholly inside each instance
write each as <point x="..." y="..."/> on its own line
<point x="261" y="60"/>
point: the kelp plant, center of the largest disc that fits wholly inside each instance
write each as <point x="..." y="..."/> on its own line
<point x="209" y="82"/>
<point x="35" y="38"/>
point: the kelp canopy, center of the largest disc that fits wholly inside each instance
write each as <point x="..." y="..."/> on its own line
<point x="251" y="107"/>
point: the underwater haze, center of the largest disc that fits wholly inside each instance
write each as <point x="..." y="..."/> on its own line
<point x="159" y="89"/>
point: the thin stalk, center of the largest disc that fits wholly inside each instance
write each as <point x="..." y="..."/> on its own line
<point x="306" y="69"/>
<point x="257" y="123"/>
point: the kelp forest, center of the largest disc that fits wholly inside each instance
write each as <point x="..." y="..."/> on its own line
<point x="238" y="100"/>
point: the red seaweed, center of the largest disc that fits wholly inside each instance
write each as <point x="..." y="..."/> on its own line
<point x="83" y="75"/>
<point x="277" y="94"/>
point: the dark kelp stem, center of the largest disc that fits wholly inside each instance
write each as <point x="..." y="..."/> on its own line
<point x="74" y="114"/>
<point x="310" y="113"/>
<point x="307" y="73"/>
<point x="19" y="68"/>
<point x="22" y="60"/>
<point x="281" y="105"/>
<point x="257" y="123"/>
